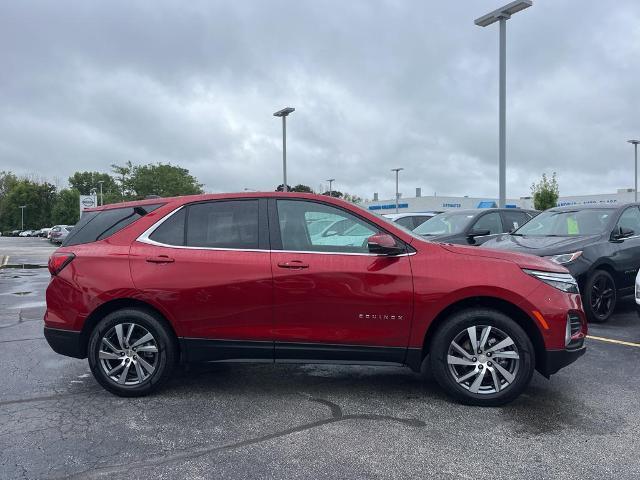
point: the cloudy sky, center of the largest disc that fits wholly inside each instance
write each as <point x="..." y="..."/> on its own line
<point x="376" y="84"/>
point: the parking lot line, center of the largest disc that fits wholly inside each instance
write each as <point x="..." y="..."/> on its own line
<point x="611" y="340"/>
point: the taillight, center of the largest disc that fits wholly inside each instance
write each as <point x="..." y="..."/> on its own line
<point x="58" y="261"/>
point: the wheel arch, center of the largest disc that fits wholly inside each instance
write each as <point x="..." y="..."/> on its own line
<point x="511" y="310"/>
<point x="119" y="304"/>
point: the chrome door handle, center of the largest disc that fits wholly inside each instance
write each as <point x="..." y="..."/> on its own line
<point x="160" y="259"/>
<point x="293" y="265"/>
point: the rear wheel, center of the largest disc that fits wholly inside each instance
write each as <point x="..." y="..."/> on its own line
<point x="131" y="352"/>
<point x="600" y="296"/>
<point x="482" y="357"/>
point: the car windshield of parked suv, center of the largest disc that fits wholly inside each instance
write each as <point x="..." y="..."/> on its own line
<point x="567" y="223"/>
<point x="445" y="223"/>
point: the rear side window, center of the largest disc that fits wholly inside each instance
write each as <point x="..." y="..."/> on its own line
<point x="223" y="224"/>
<point x="94" y="226"/>
<point x="171" y="231"/>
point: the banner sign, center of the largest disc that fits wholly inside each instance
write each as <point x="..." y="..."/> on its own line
<point x="87" y="201"/>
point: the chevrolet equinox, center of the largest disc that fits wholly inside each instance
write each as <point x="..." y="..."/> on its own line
<point x="138" y="287"/>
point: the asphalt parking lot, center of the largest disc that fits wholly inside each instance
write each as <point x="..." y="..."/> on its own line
<point x="286" y="421"/>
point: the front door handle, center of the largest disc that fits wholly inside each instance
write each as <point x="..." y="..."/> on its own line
<point x="293" y="264"/>
<point x="160" y="259"/>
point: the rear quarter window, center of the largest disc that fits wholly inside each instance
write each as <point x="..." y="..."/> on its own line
<point x="94" y="226"/>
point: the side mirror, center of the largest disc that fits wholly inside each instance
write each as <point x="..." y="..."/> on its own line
<point x="621" y="233"/>
<point x="384" y="244"/>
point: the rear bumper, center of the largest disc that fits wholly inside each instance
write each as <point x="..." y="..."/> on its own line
<point x="65" y="342"/>
<point x="555" y="360"/>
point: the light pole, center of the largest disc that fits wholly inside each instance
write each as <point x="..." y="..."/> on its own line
<point x="331" y="180"/>
<point x="502" y="15"/>
<point x="635" y="177"/>
<point x="284" y="113"/>
<point x="100" y="182"/>
<point x="397" y="170"/>
<point x="22" y="207"/>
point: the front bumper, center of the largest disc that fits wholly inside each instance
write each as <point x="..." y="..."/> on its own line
<point x="554" y="360"/>
<point x="66" y="342"/>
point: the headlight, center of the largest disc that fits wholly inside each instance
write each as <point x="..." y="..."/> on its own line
<point x="638" y="289"/>
<point x="565" y="257"/>
<point x="561" y="281"/>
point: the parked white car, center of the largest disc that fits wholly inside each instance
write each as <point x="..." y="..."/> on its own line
<point x="410" y="220"/>
<point x="27" y="233"/>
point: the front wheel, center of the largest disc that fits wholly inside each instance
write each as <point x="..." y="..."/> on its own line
<point x="482" y="357"/>
<point x="600" y="296"/>
<point x="131" y="352"/>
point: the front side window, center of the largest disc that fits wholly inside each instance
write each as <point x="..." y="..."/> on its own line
<point x="514" y="220"/>
<point x="630" y="219"/>
<point x="223" y="224"/>
<point x="445" y="223"/>
<point x="340" y="231"/>
<point x="589" y="221"/>
<point x="490" y="222"/>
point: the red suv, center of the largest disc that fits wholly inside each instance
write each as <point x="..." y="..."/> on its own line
<point x="297" y="278"/>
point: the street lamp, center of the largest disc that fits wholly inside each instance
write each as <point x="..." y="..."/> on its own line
<point x="100" y="182"/>
<point x="284" y="113"/>
<point x="22" y="207"/>
<point x="397" y="170"/>
<point x="331" y="180"/>
<point x="502" y="15"/>
<point x="635" y="177"/>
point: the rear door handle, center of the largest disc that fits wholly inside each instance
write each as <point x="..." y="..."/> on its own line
<point x="293" y="264"/>
<point x="160" y="259"/>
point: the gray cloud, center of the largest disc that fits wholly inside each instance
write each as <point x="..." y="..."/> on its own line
<point x="376" y="84"/>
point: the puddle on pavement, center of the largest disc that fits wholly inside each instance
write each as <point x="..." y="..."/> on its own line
<point x="23" y="266"/>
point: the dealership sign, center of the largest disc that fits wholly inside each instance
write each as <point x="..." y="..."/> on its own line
<point x="87" y="201"/>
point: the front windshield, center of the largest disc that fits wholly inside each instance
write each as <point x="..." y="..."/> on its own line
<point x="445" y="223"/>
<point x="567" y="223"/>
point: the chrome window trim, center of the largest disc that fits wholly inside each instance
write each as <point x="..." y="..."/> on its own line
<point x="145" y="238"/>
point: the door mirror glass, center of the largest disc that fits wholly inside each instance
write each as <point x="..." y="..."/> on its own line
<point x="384" y="244"/>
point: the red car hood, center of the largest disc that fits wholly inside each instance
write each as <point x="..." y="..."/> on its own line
<point x="522" y="259"/>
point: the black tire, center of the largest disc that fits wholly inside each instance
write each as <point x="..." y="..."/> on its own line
<point x="500" y="324"/>
<point x="600" y="296"/>
<point x="163" y="360"/>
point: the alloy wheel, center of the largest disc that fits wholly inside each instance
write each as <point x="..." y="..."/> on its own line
<point x="128" y="354"/>
<point x="602" y="296"/>
<point x="483" y="359"/>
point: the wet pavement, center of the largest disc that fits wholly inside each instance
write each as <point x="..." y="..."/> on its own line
<point x="287" y="421"/>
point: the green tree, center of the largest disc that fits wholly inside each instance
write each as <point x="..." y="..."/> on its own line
<point x="84" y="182"/>
<point x="300" y="188"/>
<point x="545" y="193"/>
<point x="7" y="181"/>
<point x="66" y="209"/>
<point x="38" y="199"/>
<point x="352" y="198"/>
<point x="334" y="193"/>
<point x="162" y="179"/>
<point x="123" y="177"/>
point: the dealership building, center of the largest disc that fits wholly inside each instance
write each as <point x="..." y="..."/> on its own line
<point x="434" y="203"/>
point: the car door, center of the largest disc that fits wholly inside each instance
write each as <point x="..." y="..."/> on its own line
<point x="333" y="300"/>
<point x="626" y="256"/>
<point x="208" y="267"/>
<point x="490" y="222"/>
